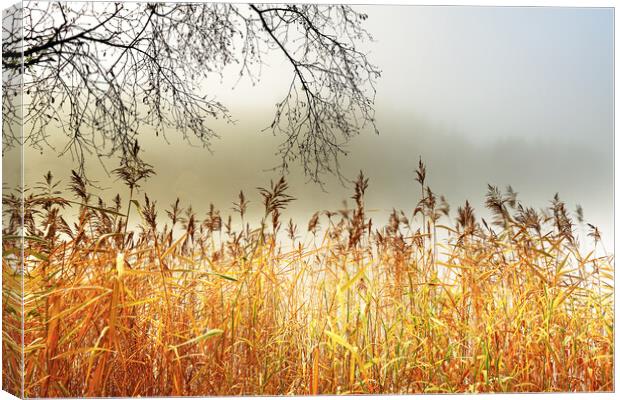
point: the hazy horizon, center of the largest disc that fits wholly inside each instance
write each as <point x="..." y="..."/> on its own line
<point x="485" y="95"/>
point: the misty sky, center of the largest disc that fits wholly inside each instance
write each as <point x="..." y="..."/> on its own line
<point x="519" y="96"/>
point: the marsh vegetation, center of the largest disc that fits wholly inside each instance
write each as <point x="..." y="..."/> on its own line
<point x="437" y="300"/>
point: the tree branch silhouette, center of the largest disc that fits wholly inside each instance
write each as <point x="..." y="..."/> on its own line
<point x="101" y="72"/>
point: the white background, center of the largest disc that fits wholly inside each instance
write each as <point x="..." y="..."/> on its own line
<point x="573" y="3"/>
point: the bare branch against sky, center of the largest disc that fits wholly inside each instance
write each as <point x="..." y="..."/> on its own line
<point x="107" y="72"/>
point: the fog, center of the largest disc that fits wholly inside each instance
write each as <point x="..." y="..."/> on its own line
<point x="506" y="96"/>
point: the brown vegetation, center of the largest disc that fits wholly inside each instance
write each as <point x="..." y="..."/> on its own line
<point x="427" y="303"/>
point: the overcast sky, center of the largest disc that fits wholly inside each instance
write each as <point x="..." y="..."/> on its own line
<point x="519" y="96"/>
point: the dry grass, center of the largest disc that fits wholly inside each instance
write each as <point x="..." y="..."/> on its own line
<point x="184" y="306"/>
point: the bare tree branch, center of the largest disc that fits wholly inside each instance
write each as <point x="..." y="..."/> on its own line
<point x="100" y="72"/>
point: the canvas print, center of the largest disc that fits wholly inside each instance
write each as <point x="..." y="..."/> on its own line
<point x="225" y="199"/>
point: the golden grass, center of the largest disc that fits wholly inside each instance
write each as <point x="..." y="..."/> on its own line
<point x="427" y="303"/>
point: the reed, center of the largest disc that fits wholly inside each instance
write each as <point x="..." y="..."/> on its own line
<point x="430" y="302"/>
